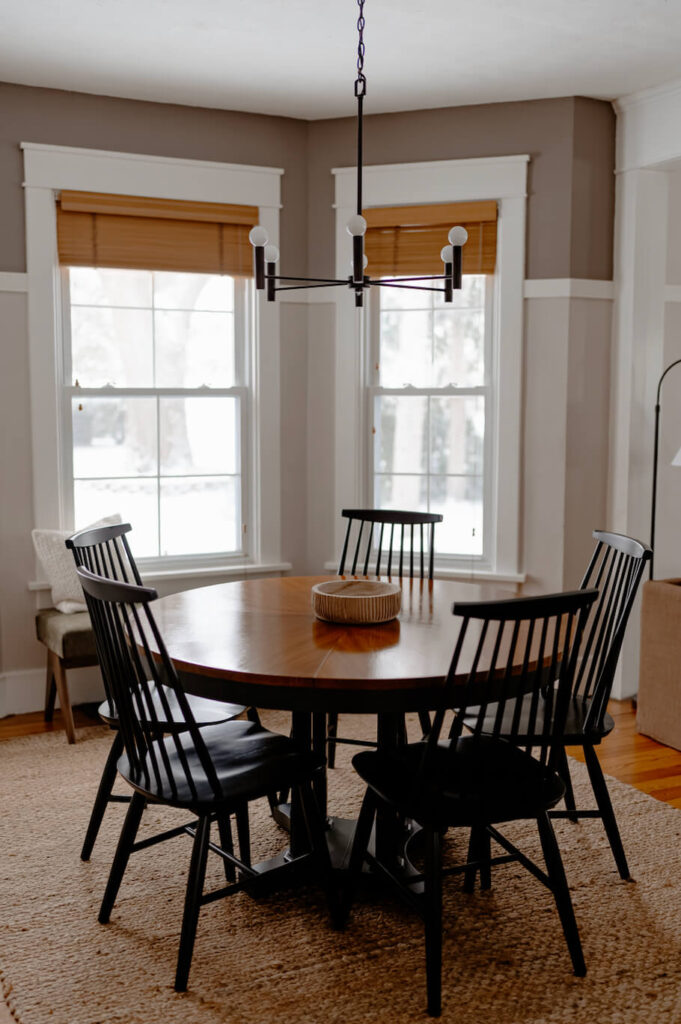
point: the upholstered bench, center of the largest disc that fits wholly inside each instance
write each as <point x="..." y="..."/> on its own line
<point x="70" y="643"/>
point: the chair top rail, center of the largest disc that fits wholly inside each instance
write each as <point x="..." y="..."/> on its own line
<point x="98" y="535"/>
<point x="391" y="516"/>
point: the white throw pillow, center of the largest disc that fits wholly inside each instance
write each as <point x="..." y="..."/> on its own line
<point x="60" y="567"/>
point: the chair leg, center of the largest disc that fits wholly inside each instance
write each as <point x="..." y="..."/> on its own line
<point x="561" y="893"/>
<point x="103" y="793"/>
<point x="332" y="732"/>
<point x="564" y="771"/>
<point x="360" y="843"/>
<point x="425" y="723"/>
<point x="600" y="789"/>
<point x="317" y="836"/>
<point x="225" y="830"/>
<point x="192" y="902"/>
<point x="471" y="871"/>
<point x="50" y="690"/>
<point x="243" y="829"/>
<point x="479" y="849"/>
<point x="433" y="919"/>
<point x="122" y="856"/>
<point x="58" y="671"/>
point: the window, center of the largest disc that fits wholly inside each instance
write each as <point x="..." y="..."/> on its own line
<point x="156" y="405"/>
<point x="415" y="426"/>
<point x="429" y="405"/>
<point x="156" y="190"/>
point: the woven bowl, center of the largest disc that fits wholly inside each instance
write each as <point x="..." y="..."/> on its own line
<point x="356" y="602"/>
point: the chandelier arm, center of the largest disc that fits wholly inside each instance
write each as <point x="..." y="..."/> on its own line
<point x="397" y="281"/>
<point x="409" y="287"/>
<point x="319" y="280"/>
<point x="324" y="284"/>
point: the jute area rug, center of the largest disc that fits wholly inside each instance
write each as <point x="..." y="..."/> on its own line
<point x="277" y="959"/>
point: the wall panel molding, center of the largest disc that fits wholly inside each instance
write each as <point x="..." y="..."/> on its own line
<point x="23" y="691"/>
<point x="568" y="288"/>
<point x="10" y="282"/>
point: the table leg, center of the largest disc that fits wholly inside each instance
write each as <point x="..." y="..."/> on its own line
<point x="301" y="732"/>
<point x="319" y="747"/>
<point x="390" y="827"/>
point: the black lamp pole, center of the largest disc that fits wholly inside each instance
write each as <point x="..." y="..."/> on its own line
<point x="655" y="452"/>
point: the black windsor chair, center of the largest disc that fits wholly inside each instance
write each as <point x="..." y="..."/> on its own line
<point x="615" y="569"/>
<point x="105" y="551"/>
<point x="212" y="771"/>
<point x="397" y="561"/>
<point x="481" y="780"/>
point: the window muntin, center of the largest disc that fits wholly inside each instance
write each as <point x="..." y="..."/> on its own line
<point x="156" y="390"/>
<point x="430" y="409"/>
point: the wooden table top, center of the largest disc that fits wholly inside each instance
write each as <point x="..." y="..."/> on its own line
<point x="258" y="641"/>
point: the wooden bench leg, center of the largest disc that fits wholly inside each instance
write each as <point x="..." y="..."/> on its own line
<point x="50" y="690"/>
<point x="56" y="671"/>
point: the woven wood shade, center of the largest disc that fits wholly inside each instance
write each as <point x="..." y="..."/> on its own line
<point x="406" y="240"/>
<point x="96" y="230"/>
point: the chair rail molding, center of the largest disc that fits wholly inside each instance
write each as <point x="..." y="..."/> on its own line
<point x="13" y="282"/>
<point x="47" y="169"/>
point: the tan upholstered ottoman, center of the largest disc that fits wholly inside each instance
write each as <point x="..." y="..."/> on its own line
<point x="659" y="687"/>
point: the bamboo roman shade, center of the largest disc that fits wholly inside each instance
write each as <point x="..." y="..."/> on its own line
<point x="97" y="230"/>
<point x="406" y="240"/>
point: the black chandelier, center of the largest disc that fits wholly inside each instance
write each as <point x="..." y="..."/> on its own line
<point x="265" y="256"/>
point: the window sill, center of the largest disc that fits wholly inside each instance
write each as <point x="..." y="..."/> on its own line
<point x="480" y="575"/>
<point x="215" y="573"/>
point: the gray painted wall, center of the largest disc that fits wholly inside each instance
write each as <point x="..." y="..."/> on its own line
<point x="570" y="142"/>
<point x="571" y="186"/>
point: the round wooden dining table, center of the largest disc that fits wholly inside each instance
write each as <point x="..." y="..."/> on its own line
<point x="259" y="643"/>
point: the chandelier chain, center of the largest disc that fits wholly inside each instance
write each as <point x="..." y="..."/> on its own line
<point x="360" y="84"/>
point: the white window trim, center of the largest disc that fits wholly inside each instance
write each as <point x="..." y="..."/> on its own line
<point x="47" y="170"/>
<point x="441" y="181"/>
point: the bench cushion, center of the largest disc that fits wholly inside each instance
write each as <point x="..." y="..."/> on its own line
<point x="69" y="636"/>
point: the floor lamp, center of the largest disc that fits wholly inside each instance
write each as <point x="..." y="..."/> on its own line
<point x="675" y="462"/>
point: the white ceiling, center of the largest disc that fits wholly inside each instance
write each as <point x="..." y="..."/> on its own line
<point x="297" y="57"/>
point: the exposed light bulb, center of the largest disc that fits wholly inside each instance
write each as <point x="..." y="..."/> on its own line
<point x="357" y="225"/>
<point x="258" y="236"/>
<point x="271" y="254"/>
<point x="458" y="236"/>
<point x="447" y="254"/>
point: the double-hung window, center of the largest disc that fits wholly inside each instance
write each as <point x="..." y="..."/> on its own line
<point x="431" y="377"/>
<point x="157" y="307"/>
<point x="156" y="406"/>
<point x="430" y="409"/>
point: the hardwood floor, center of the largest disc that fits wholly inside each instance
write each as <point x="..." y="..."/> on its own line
<point x="34" y="723"/>
<point x="637" y="760"/>
<point x="625" y="754"/>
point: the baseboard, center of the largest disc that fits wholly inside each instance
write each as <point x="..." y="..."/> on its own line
<point x="24" y="690"/>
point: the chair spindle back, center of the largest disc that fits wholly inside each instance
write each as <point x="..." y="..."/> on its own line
<point x="105" y="552"/>
<point x="126" y="634"/>
<point x="403" y="544"/>
<point x="615" y="570"/>
<point x="505" y="651"/>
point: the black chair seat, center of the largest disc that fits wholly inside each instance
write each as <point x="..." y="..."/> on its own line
<point x="486" y="781"/>
<point x="206" y="712"/>
<point x="574" y="734"/>
<point x="249" y="762"/>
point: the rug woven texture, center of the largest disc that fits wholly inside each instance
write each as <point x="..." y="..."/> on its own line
<point x="277" y="958"/>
